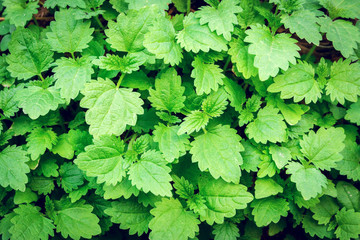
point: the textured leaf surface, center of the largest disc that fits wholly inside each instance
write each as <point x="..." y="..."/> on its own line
<point x="348" y="224"/>
<point x="243" y="60"/>
<point x="20" y="11"/>
<point x="269" y="210"/>
<point x="39" y="140"/>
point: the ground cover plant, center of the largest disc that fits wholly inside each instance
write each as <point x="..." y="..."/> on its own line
<point x="166" y="120"/>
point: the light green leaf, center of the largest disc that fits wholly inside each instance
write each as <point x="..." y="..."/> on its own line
<point x="195" y="121"/>
<point x="123" y="189"/>
<point x="227" y="230"/>
<point x="268" y="126"/>
<point x="309" y="181"/>
<point x="265" y="187"/>
<point x="104" y="160"/>
<point x="110" y="109"/>
<point x="8" y="103"/>
<point x="218" y="150"/>
<point x="71" y="76"/>
<point x="325" y="210"/>
<point x="342" y="8"/>
<point x="160" y="40"/>
<point x="65" y="3"/>
<point x="280" y="155"/>
<point x="127" y="64"/>
<point x="18" y="12"/>
<point x="348" y="224"/>
<point x="169" y="214"/>
<point x="222" y="199"/>
<point x="138" y="4"/>
<point x="269" y="210"/>
<point x="25" y="197"/>
<point x="272" y="52"/>
<point x="208" y="76"/>
<point x="171" y="144"/>
<point x="68" y="34"/>
<point x="313" y="228"/>
<point x="348" y="195"/>
<point x="323" y="147"/>
<point x="71" y="177"/>
<point x="130" y="215"/>
<point x="195" y="37"/>
<point x="13" y="168"/>
<point x="168" y="93"/>
<point x="215" y="103"/>
<point x="353" y="113"/>
<point x="39" y="140"/>
<point x="220" y="19"/>
<point x="150" y="173"/>
<point x="236" y="94"/>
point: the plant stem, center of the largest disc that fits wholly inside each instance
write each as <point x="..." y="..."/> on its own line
<point x="72" y="55"/>
<point x="120" y="80"/>
<point x="227" y="63"/>
<point x="308" y="55"/>
<point x="99" y="22"/>
<point x="41" y="77"/>
<point x="188" y="7"/>
<point x="35" y="21"/>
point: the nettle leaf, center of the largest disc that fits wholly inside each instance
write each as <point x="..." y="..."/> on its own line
<point x="323" y="147"/>
<point x="268" y="126"/>
<point x="29" y="55"/>
<point x="111" y="109"/>
<point x="138" y="4"/>
<point x="220" y="19"/>
<point x="348" y="224"/>
<point x="126" y="64"/>
<point x="195" y="121"/>
<point x="309" y="181"/>
<point x="208" y="76"/>
<point x="168" y="93"/>
<point x="215" y="104"/>
<point x="171" y="144"/>
<point x="265" y="187"/>
<point x="150" y="173"/>
<point x="130" y="215"/>
<point x="313" y="228"/>
<point x="20" y="11"/>
<point x="71" y="76"/>
<point x="169" y="214"/>
<point x="350" y="164"/>
<point x="123" y="189"/>
<point x="303" y="23"/>
<point x="269" y="210"/>
<point x="36" y="101"/>
<point x="68" y="34"/>
<point x="71" y="177"/>
<point x="348" y="195"/>
<point x="222" y="199"/>
<point x="344" y="82"/>
<point x="76" y="220"/>
<point x="325" y="210"/>
<point x="195" y="37"/>
<point x="343" y="34"/>
<point x="227" y="230"/>
<point x="353" y="113"/>
<point x="160" y="40"/>
<point x="272" y="52"/>
<point x="127" y="33"/>
<point x="236" y="94"/>
<point x="29" y="223"/>
<point x="218" y="150"/>
<point x="65" y="3"/>
<point x="8" y="103"/>
<point x="13" y="168"/>
<point x="39" y="140"/>
<point x="104" y="160"/>
<point x="344" y="9"/>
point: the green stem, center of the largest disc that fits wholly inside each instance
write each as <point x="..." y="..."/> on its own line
<point x="35" y="21"/>
<point x="227" y="63"/>
<point x="41" y="77"/>
<point x="72" y="55"/>
<point x="132" y="140"/>
<point x="308" y="55"/>
<point x="188" y="7"/>
<point x="120" y="80"/>
<point x="99" y="23"/>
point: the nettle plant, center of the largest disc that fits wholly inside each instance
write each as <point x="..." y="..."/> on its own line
<point x="179" y="120"/>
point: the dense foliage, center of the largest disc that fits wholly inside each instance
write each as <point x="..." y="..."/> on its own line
<point x="217" y="120"/>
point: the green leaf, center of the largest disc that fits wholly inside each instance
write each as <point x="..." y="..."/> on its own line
<point x="268" y="126"/>
<point x="127" y="34"/>
<point x="150" y="173"/>
<point x="220" y="19"/>
<point x="227" y="230"/>
<point x="347" y="76"/>
<point x="76" y="220"/>
<point x="272" y="52"/>
<point x="39" y="140"/>
<point x="42" y="185"/>
<point x="350" y="164"/>
<point x="71" y="76"/>
<point x="36" y="101"/>
<point x="130" y="215"/>
<point x="268" y="210"/>
<point x="215" y="103"/>
<point x="280" y="155"/>
<point x="195" y="121"/>
<point x="68" y="34"/>
<point x="13" y="168"/>
<point x="297" y="82"/>
<point x="25" y="197"/>
<point x="127" y="64"/>
<point x="218" y="150"/>
<point x="208" y="76"/>
<point x="195" y="37"/>
<point x="18" y="12"/>
<point x="169" y="214"/>
<point x="71" y="177"/>
<point x="353" y="113"/>
<point x="183" y="187"/>
<point x="313" y="228"/>
<point x="138" y="4"/>
<point x="171" y="145"/>
<point x="123" y="189"/>
<point x="309" y="181"/>
<point x="168" y="93"/>
<point x="63" y="147"/>
<point x="65" y="3"/>
<point x="160" y="40"/>
<point x="29" y="223"/>
<point x="342" y="8"/>
<point x="265" y="187"/>
<point x="323" y="147"/>
<point x="8" y="103"/>
<point x="244" y="61"/>
<point x="303" y="23"/>
<point x="222" y="199"/>
<point x="104" y="160"/>
<point x="343" y="34"/>
<point x="5" y="225"/>
<point x="348" y="224"/>
<point x="30" y="55"/>
<point x="251" y="156"/>
<point x="236" y="94"/>
<point x="348" y="196"/>
<point x="325" y="210"/>
<point x="181" y="5"/>
<point x="110" y="109"/>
